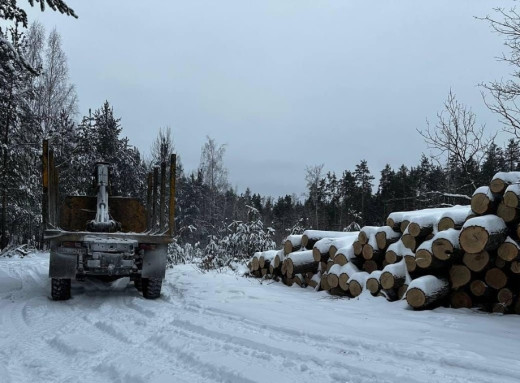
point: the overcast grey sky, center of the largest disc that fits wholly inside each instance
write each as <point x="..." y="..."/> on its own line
<point x="283" y="83"/>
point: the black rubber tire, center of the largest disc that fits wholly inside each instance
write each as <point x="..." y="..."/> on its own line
<point x="60" y="289"/>
<point x="151" y="287"/>
<point x="138" y="283"/>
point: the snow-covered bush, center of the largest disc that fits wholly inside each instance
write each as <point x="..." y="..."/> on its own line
<point x="183" y="253"/>
<point x="237" y="241"/>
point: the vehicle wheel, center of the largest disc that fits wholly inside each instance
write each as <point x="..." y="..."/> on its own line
<point x="138" y="283"/>
<point x="60" y="289"/>
<point x="151" y="287"/>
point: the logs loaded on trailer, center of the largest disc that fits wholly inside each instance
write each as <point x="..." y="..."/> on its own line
<point x="459" y="256"/>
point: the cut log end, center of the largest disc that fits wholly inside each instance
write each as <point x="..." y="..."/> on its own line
<point x="369" y="266"/>
<point x="358" y="248"/>
<point x="316" y="255"/>
<point x="416" y="298"/>
<point x="508" y="251"/>
<point x="373" y="286"/>
<point x="355" y="288"/>
<point x="387" y="280"/>
<point x="391" y="257"/>
<point x="478" y="288"/>
<point x="460" y="276"/>
<point x="411" y="265"/>
<point x="442" y="249"/>
<point x="476" y="262"/>
<point x="481" y="204"/>
<point x="332" y="280"/>
<point x="445" y="223"/>
<point x="496" y="278"/>
<point x="423" y="259"/>
<point x="461" y="299"/>
<point x="511" y="199"/>
<point x="497" y="186"/>
<point x="343" y="281"/>
<point x="409" y="242"/>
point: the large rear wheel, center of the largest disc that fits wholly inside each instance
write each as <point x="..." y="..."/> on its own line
<point x="60" y="289"/>
<point x="151" y="287"/>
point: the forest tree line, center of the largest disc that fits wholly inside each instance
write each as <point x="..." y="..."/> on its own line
<point x="38" y="101"/>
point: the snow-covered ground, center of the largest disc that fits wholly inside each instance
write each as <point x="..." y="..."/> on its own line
<point x="217" y="327"/>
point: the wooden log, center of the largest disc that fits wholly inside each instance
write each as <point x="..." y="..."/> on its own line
<point x="502" y="180"/>
<point x="278" y="258"/>
<point x="330" y="263"/>
<point x="371" y="251"/>
<point x="385" y="236"/>
<point x="512" y="196"/>
<point x="496" y="278"/>
<point x="409" y="241"/>
<point x="460" y="276"/>
<point x="301" y="262"/>
<point x="263" y="272"/>
<point x="394" y="275"/>
<point x="266" y="257"/>
<point x="292" y="243"/>
<point x="500" y="308"/>
<point x="321" y="249"/>
<point x="411" y="265"/>
<point x="454" y="218"/>
<point x="255" y="262"/>
<point x="283" y="268"/>
<point x="299" y="280"/>
<point x="500" y="263"/>
<point x="483" y="201"/>
<point x="310" y="237"/>
<point x="357" y="283"/>
<point x="479" y="288"/>
<point x="288" y="281"/>
<point x="446" y="245"/>
<point x="425" y="260"/>
<point x="366" y="232"/>
<point x="333" y="276"/>
<point x="423" y="222"/>
<point x="396" y="252"/>
<point x="373" y="285"/>
<point x="358" y="248"/>
<point x="509" y="250"/>
<point x="515" y="267"/>
<point x="342" y="242"/>
<point x="324" y="283"/>
<point x="508" y="214"/>
<point x="482" y="233"/>
<point x="506" y="296"/>
<point x="476" y="262"/>
<point x="460" y="299"/>
<point x="426" y="291"/>
<point x="344" y="275"/>
<point x="369" y="266"/>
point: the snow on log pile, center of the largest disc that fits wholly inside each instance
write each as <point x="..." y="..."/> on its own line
<point x="459" y="256"/>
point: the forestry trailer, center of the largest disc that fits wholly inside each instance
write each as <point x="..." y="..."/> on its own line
<point x="107" y="237"/>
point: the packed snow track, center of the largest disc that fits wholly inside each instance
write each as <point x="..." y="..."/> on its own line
<point x="218" y="327"/>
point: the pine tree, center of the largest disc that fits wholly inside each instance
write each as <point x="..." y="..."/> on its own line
<point x="364" y="183"/>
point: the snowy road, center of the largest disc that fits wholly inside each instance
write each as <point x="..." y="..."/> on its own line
<point x="217" y="327"/>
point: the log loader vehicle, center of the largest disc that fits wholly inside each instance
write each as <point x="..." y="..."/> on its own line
<point x="109" y="237"/>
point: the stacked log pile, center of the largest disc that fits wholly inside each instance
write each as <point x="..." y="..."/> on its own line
<point x="460" y="256"/>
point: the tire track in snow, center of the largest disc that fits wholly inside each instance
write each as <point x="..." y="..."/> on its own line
<point x="378" y="352"/>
